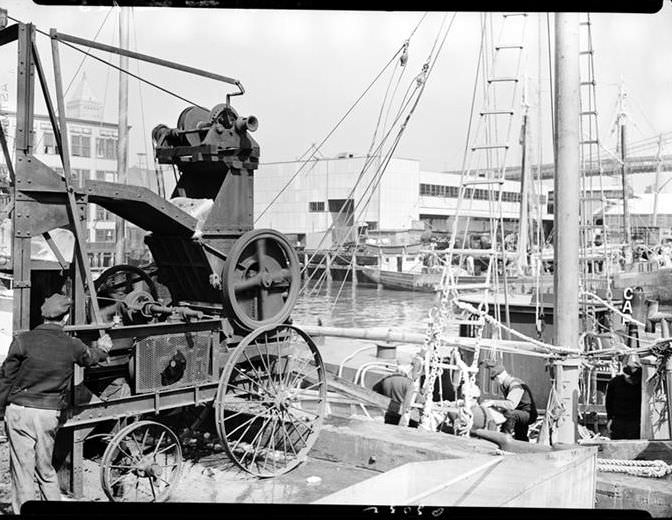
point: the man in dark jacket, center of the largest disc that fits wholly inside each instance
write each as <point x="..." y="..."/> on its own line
<point x="518" y="406"/>
<point x="35" y="384"/>
<point x="623" y="401"/>
<point x="399" y="388"/>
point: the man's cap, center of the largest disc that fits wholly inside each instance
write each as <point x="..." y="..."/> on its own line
<point x="631" y="363"/>
<point x="55" y="306"/>
<point x="496" y="370"/>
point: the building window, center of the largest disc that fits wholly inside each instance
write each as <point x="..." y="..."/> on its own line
<point x="49" y="144"/>
<point x="107" y="260"/>
<point x="78" y="173"/>
<point x="102" y="214"/>
<point x="106" y="148"/>
<point x="104" y="235"/>
<point x="316" y="207"/>
<point x="105" y="175"/>
<point x="81" y="146"/>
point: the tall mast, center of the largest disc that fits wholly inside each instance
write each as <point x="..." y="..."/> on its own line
<point x="566" y="228"/>
<point x="657" y="187"/>
<point x="627" y="236"/>
<point x="122" y="147"/>
<point x="523" y="216"/>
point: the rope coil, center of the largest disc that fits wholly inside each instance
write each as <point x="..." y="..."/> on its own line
<point x="636" y="468"/>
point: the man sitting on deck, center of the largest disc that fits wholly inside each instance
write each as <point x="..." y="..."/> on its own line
<point x="518" y="406"/>
<point x="623" y="401"/>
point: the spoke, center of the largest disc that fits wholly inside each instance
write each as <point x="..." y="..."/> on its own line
<point x="266" y="367"/>
<point x="261" y="252"/>
<point x="288" y="437"/>
<point x="319" y="383"/>
<point x="118" y="480"/>
<point x="120" y="467"/>
<point x="164" y="450"/>
<point x="151" y="484"/>
<point x="300" y="374"/>
<point x="272" y="444"/>
<point x="135" y="441"/>
<point x="126" y="453"/>
<point x="251" y="421"/>
<point x="163" y="433"/>
<point x="144" y="439"/>
<point x="248" y="377"/>
<point x="267" y="390"/>
<point x="232" y="416"/>
<point x="298" y="431"/>
<point x="303" y="410"/>
<point x="260" y="438"/>
<point x="241" y="425"/>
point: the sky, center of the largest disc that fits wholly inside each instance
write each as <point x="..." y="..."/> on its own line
<point x="302" y="70"/>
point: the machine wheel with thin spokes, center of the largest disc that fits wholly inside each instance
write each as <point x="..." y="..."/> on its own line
<point x="142" y="463"/>
<point x="271" y="400"/>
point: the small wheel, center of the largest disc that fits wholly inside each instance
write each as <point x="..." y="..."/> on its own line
<point x="142" y="463"/>
<point x="271" y="400"/>
<point x="261" y="279"/>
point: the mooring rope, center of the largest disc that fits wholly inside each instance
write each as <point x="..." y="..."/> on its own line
<point x="636" y="468"/>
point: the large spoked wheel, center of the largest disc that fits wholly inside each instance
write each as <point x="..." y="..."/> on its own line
<point x="261" y="279"/>
<point x="271" y="400"/>
<point x="142" y="463"/>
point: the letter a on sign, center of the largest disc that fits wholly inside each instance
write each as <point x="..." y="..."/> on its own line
<point x="627" y="307"/>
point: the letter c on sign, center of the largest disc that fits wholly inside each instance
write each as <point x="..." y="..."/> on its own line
<point x="628" y="293"/>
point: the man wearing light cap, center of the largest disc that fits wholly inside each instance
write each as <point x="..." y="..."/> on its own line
<point x="518" y="407"/>
<point x="623" y="401"/>
<point x="35" y="384"/>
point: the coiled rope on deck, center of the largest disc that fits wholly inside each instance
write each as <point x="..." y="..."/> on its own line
<point x="636" y="468"/>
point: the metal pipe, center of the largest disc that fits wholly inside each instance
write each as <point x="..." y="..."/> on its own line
<point x="416" y="338"/>
<point x="566" y="229"/>
<point x="143" y="57"/>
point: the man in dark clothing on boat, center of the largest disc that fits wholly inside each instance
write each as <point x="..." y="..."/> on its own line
<point x="34" y="389"/>
<point x="518" y="406"/>
<point x="399" y="388"/>
<point x="623" y="401"/>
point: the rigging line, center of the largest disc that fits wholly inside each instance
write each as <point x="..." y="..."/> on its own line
<point x="473" y="94"/>
<point x="382" y="108"/>
<point x="39" y="141"/>
<point x="338" y="124"/>
<point x="427" y="68"/>
<point x="377" y="174"/>
<point x="367" y="164"/>
<point x="81" y="63"/>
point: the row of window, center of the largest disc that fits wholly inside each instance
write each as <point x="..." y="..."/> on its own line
<point x="101" y="260"/>
<point x="438" y="190"/>
<point x="98" y="175"/>
<point x="80" y="146"/>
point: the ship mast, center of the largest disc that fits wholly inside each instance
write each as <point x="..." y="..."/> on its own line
<point x="566" y="228"/>
<point x="122" y="146"/>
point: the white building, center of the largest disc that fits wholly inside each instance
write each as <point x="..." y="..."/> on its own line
<point x="404" y="197"/>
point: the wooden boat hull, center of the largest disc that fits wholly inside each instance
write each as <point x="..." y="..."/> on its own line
<point x="657" y="284"/>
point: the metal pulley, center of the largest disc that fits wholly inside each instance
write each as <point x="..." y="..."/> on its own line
<point x="260" y="279"/>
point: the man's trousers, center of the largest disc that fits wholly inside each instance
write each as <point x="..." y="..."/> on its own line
<point x="31" y="433"/>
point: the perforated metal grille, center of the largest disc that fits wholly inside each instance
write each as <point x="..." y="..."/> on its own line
<point x="154" y="355"/>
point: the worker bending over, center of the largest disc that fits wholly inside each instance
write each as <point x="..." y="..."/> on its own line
<point x="518" y="406"/>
